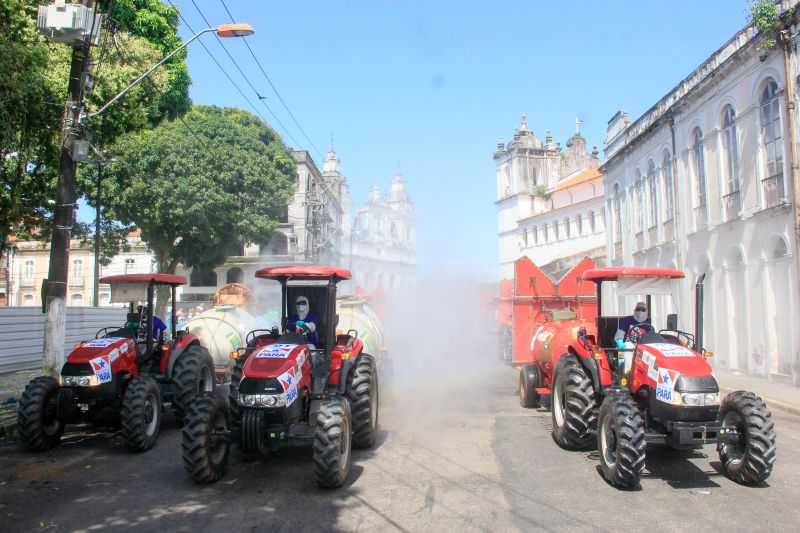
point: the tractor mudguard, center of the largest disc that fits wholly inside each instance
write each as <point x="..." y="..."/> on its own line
<point x="314" y="407"/>
<point x="588" y="364"/>
<point x="175" y="354"/>
<point x="344" y="373"/>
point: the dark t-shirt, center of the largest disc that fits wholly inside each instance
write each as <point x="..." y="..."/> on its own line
<point x="311" y="317"/>
<point x="627" y="322"/>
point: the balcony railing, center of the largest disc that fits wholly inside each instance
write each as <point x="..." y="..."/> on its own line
<point x="28" y="282"/>
<point x="669" y="230"/>
<point x="640" y="241"/>
<point x="732" y="203"/>
<point x="700" y="217"/>
<point x="774" y="193"/>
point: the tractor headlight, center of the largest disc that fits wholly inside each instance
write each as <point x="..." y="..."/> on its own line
<point x="262" y="400"/>
<point x="695" y="399"/>
<point x="248" y="400"/>
<point x="79" y="381"/>
<point x="711" y="398"/>
<point x="692" y="399"/>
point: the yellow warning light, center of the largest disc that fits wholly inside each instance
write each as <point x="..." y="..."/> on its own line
<point x="623" y="382"/>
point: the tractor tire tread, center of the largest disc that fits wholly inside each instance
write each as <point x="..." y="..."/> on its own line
<point x="327" y="443"/>
<point x="185" y="376"/>
<point x="29" y="416"/>
<point x="631" y="443"/>
<point x="760" y="454"/>
<point x="580" y="410"/>
<point x="197" y="459"/>
<point x="359" y="390"/>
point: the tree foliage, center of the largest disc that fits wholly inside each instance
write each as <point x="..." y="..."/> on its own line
<point x="770" y="21"/>
<point x="193" y="197"/>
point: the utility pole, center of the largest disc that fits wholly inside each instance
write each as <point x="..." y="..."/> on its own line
<point x="55" y="289"/>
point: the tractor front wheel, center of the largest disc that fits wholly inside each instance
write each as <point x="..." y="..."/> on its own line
<point x="205" y="439"/>
<point x="362" y="392"/>
<point x="620" y="440"/>
<point x="573" y="406"/>
<point x="528" y="382"/>
<point x="193" y="374"/>
<point x="141" y="414"/>
<point x="332" y="442"/>
<point x="748" y="461"/>
<point x="39" y="426"/>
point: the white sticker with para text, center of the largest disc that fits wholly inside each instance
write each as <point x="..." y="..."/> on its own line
<point x="276" y="351"/>
<point x="101" y="366"/>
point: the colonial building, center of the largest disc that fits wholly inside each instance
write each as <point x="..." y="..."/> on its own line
<point x="549" y="202"/>
<point x="381" y="244"/>
<point x="703" y="182"/>
<point x="30" y="262"/>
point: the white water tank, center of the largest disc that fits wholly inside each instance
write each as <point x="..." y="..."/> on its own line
<point x="222" y="329"/>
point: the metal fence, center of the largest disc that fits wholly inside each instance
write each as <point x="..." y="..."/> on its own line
<point x="22" y="332"/>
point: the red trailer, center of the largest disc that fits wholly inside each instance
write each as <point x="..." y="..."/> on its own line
<point x="532" y="299"/>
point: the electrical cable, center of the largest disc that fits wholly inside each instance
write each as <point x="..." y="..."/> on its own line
<point x="273" y="85"/>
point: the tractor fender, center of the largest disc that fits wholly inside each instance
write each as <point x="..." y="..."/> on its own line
<point x="175" y="354"/>
<point x="314" y="407"/>
<point x="344" y="373"/>
<point x="588" y="364"/>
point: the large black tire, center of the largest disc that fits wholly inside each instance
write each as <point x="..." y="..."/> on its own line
<point x="332" y="443"/>
<point x="141" y="414"/>
<point x="39" y="427"/>
<point x="234" y="411"/>
<point x="750" y="460"/>
<point x="192" y="374"/>
<point x="620" y="440"/>
<point x="205" y="451"/>
<point x="362" y="392"/>
<point x="574" y="410"/>
<point x="528" y="382"/>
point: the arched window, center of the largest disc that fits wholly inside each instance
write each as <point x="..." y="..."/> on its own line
<point x="534" y="235"/>
<point x="27" y="299"/>
<point x="555" y="230"/>
<point x="639" y="202"/>
<point x="76" y="299"/>
<point x="773" y="144"/>
<point x="579" y="224"/>
<point x="669" y="193"/>
<point x="234" y="275"/>
<point x="617" y="214"/>
<point x="566" y="227"/>
<point x="591" y="222"/>
<point x="700" y="168"/>
<point x="652" y="180"/>
<point x="730" y="138"/>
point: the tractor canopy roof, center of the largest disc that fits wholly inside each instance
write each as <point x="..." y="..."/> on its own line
<point x="617" y="273"/>
<point x="157" y="279"/>
<point x="304" y="273"/>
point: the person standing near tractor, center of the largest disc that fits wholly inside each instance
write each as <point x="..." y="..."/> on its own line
<point x="304" y="321"/>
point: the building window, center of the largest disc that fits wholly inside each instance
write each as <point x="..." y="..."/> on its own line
<point x="77" y="269"/>
<point x="28" y="271"/>
<point x="105" y="299"/>
<point x="617" y="214"/>
<point x="591" y="222"/>
<point x="566" y="227"/>
<point x="555" y="230"/>
<point x="130" y="265"/>
<point x="579" y="224"/>
<point x="669" y="192"/>
<point x="639" y="202"/>
<point x="730" y="139"/>
<point x="76" y="299"/>
<point x="773" y="144"/>
<point x="234" y="275"/>
<point x="27" y="299"/>
<point x="203" y="278"/>
<point x="699" y="167"/>
<point x="652" y="180"/>
<point x="535" y="235"/>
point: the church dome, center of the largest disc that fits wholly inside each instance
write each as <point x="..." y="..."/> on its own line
<point x="524" y="137"/>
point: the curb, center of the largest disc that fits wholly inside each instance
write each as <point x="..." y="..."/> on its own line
<point x="776" y="404"/>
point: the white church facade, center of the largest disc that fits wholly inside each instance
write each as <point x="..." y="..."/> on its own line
<point x="549" y="202"/>
<point x="703" y="182"/>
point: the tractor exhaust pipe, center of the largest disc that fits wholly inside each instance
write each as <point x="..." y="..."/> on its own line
<point x="698" y="313"/>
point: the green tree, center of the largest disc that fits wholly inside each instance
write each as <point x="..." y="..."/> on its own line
<point x="194" y="196"/>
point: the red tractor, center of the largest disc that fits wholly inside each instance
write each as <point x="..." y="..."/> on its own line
<point x="286" y="391"/>
<point x="122" y="376"/>
<point x="650" y="388"/>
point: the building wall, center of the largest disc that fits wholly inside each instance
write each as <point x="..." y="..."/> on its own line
<point x="744" y="243"/>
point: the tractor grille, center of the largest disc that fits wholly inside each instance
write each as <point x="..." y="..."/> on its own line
<point x="77" y="369"/>
<point x="260" y="386"/>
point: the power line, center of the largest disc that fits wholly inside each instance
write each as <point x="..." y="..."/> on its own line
<point x="273" y="86"/>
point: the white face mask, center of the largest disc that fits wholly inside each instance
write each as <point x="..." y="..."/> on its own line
<point x="640" y="316"/>
<point x="302" y="308"/>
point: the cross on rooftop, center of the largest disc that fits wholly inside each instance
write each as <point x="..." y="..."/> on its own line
<point x="578" y="123"/>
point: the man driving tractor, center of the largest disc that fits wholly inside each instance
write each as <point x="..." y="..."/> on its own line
<point x="304" y="321"/>
<point x="638" y="320"/>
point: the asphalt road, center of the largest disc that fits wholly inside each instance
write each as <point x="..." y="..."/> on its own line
<point x="462" y="456"/>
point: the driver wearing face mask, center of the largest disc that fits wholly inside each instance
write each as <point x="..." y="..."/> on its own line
<point x="638" y="320"/>
<point x="304" y="321"/>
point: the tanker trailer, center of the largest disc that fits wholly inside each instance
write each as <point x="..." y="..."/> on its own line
<point x="354" y="313"/>
<point x="222" y="329"/>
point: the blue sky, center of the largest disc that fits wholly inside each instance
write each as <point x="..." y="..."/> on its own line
<point x="433" y="84"/>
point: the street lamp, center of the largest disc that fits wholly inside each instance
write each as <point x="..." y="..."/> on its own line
<point x="224" y="30"/>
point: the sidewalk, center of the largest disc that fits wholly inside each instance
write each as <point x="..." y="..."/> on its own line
<point x="779" y="396"/>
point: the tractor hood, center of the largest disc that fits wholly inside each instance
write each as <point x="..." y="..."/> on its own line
<point x="273" y="360"/>
<point x="112" y="347"/>
<point x="677" y="367"/>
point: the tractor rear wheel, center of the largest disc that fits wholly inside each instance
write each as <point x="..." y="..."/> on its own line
<point x="205" y="440"/>
<point x="750" y="460"/>
<point x="573" y="406"/>
<point x="528" y="382"/>
<point x="620" y="440"/>
<point x="141" y="414"/>
<point x="39" y="426"/>
<point x="332" y="443"/>
<point x="193" y="374"/>
<point x="362" y="392"/>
